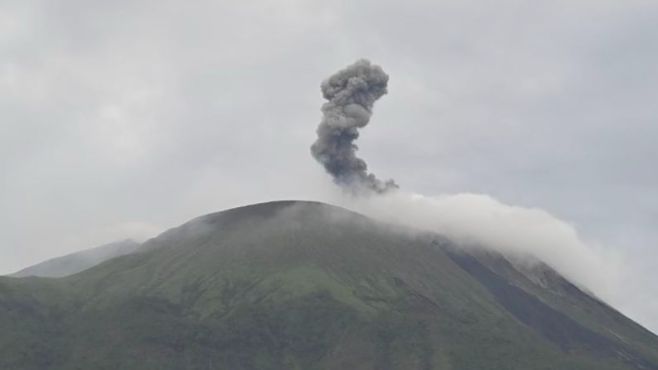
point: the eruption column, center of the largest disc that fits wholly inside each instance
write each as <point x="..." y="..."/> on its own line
<point x="351" y="94"/>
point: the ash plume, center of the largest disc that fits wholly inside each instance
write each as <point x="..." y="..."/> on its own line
<point x="351" y="94"/>
<point x="526" y="236"/>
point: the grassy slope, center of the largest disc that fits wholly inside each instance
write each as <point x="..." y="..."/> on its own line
<point x="299" y="286"/>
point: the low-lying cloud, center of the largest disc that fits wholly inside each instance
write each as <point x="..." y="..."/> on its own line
<point x="479" y="220"/>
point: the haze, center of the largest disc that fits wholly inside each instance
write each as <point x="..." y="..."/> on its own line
<point x="121" y="119"/>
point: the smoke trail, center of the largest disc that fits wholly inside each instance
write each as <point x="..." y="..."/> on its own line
<point x="351" y="93"/>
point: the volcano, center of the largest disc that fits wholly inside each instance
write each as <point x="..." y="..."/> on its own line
<point x="305" y="285"/>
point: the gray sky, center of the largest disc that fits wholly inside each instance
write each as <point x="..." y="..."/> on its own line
<point x="123" y="118"/>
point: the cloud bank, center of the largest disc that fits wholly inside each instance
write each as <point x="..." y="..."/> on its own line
<point x="528" y="235"/>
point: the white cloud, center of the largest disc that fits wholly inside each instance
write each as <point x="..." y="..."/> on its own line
<point x="478" y="220"/>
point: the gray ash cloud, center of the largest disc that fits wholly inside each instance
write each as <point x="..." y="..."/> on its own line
<point x="351" y="94"/>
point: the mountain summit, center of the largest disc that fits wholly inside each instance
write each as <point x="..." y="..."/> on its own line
<point x="304" y="285"/>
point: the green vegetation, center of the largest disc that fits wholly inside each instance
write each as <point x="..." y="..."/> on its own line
<point x="295" y="285"/>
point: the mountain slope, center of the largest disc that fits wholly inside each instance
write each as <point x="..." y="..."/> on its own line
<point x="299" y="285"/>
<point x="75" y="262"/>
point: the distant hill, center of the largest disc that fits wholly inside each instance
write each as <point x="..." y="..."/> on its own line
<point x="301" y="285"/>
<point x="75" y="262"/>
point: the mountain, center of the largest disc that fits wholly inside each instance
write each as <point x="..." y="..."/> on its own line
<point x="303" y="285"/>
<point x="79" y="261"/>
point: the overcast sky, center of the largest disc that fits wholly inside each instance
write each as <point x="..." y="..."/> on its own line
<point x="124" y="118"/>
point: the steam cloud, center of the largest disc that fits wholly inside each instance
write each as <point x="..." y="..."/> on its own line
<point x="351" y="94"/>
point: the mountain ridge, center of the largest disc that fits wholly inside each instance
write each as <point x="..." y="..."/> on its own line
<point x="75" y="262"/>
